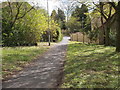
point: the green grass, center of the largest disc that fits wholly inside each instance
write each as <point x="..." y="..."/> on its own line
<point x="15" y="58"/>
<point x="91" y="66"/>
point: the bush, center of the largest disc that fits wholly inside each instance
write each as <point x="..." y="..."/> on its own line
<point x="29" y="29"/>
<point x="60" y="36"/>
<point x="112" y="36"/>
<point x="56" y="35"/>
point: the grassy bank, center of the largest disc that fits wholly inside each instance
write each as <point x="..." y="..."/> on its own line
<point x="15" y="58"/>
<point x="91" y="66"/>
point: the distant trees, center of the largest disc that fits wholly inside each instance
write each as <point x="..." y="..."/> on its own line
<point x="73" y="25"/>
<point x="68" y="7"/>
<point x="80" y="12"/>
<point x="79" y="15"/>
<point x="54" y="15"/>
<point x="23" y="24"/>
<point x="59" y="17"/>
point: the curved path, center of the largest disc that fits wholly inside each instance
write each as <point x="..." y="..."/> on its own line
<point x="46" y="72"/>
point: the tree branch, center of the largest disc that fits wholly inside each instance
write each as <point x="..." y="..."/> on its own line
<point x="9" y="4"/>
<point x="101" y="10"/>
<point x="110" y="10"/>
<point x="112" y="4"/>
<point x="26" y="13"/>
<point x="18" y="11"/>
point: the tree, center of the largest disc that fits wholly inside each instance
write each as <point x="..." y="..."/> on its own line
<point x="61" y="15"/>
<point x="107" y="17"/>
<point x="81" y="15"/>
<point x="12" y="12"/>
<point x="105" y="10"/>
<point x="54" y="15"/>
<point x="117" y="12"/>
<point x="68" y="7"/>
<point x="61" y="18"/>
<point x="27" y="30"/>
<point x="116" y="7"/>
<point x="80" y="12"/>
<point x="15" y="12"/>
<point x="73" y="25"/>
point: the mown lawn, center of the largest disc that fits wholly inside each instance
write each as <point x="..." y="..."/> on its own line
<point x="91" y="66"/>
<point x="16" y="58"/>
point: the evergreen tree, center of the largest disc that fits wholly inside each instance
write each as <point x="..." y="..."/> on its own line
<point x="61" y="18"/>
<point x="80" y="14"/>
<point x="61" y="15"/>
<point x="54" y="15"/>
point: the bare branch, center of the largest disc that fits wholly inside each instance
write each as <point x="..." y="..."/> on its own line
<point x="9" y="4"/>
<point x="101" y="10"/>
<point x="110" y="10"/>
<point x="112" y="4"/>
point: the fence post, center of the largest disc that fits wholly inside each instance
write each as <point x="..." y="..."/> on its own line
<point x="77" y="36"/>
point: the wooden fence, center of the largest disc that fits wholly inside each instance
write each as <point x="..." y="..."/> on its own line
<point x="80" y="38"/>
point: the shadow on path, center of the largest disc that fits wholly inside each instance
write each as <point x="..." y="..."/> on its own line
<point x="46" y="72"/>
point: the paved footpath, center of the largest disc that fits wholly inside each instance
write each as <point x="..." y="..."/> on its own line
<point x="46" y="72"/>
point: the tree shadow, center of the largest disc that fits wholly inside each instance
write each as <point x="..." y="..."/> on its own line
<point x="97" y="61"/>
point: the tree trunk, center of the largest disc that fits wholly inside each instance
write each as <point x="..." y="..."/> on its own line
<point x="107" y="31"/>
<point x="102" y="31"/>
<point x="118" y="28"/>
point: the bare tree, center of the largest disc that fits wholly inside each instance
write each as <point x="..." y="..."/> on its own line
<point x="68" y="7"/>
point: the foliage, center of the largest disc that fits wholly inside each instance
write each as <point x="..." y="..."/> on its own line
<point x="108" y="10"/>
<point x="93" y="35"/>
<point x="80" y="12"/>
<point x="54" y="15"/>
<point x="59" y="17"/>
<point x="73" y="25"/>
<point x="27" y="30"/>
<point x="91" y="66"/>
<point x="81" y="18"/>
<point x="112" y="38"/>
<point x="86" y="25"/>
<point x="55" y="32"/>
<point x="60" y="36"/>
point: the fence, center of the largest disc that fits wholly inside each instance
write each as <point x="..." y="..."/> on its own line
<point x="80" y="38"/>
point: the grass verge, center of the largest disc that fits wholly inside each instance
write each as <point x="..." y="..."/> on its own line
<point x="91" y="66"/>
<point x="15" y="58"/>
